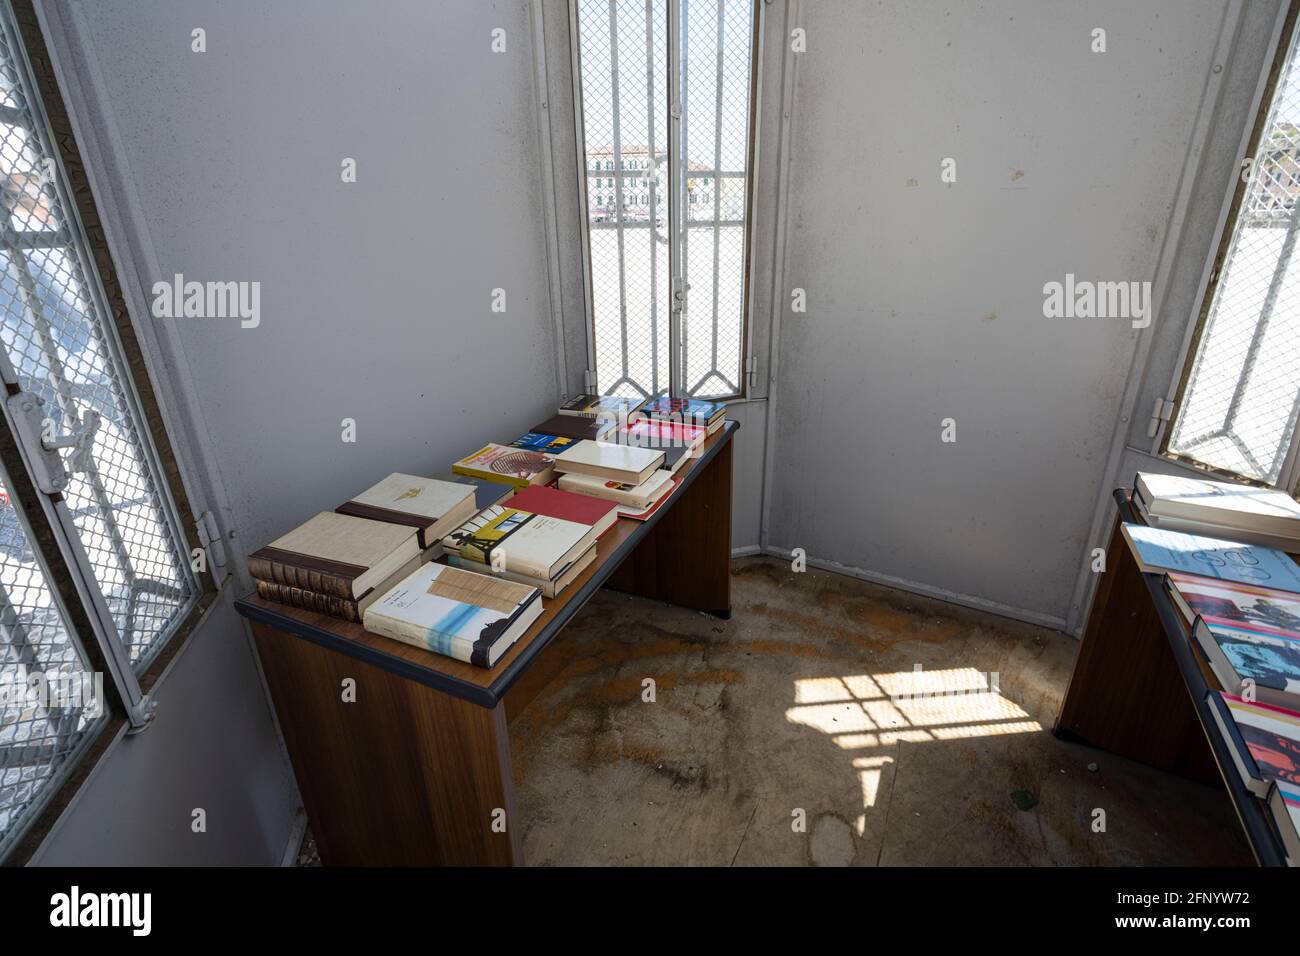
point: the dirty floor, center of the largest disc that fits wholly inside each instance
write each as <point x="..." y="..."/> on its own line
<point x="800" y="732"/>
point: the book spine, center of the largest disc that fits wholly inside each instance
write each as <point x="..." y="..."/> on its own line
<point x="309" y="600"/>
<point x="291" y="576"/>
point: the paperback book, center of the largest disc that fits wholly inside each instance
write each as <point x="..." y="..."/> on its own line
<point x="594" y="406"/>
<point x="513" y="466"/>
<point x="506" y="539"/>
<point x="1158" y="550"/>
<point x="470" y="617"/>
<point x="612" y="462"/>
<point x="1219" y="503"/>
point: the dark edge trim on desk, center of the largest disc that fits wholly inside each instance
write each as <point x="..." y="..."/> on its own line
<point x="491" y="695"/>
<point x="1264" y="841"/>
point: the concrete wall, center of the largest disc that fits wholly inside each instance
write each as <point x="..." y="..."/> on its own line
<point x="375" y="302"/>
<point x="925" y="299"/>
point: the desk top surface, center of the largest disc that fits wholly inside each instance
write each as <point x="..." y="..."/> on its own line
<point x="480" y="685"/>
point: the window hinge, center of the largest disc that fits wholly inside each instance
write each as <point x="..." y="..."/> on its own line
<point x="589" y="379"/>
<point x="213" y="545"/>
<point x="141" y="715"/>
<point x="751" y="368"/>
<point x="1162" y="412"/>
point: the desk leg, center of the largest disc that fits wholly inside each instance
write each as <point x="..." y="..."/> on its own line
<point x="404" y="775"/>
<point x="686" y="557"/>
<point x="1126" y="694"/>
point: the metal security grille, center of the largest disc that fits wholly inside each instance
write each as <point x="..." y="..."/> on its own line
<point x="644" y="244"/>
<point x="1239" y="407"/>
<point x="61" y="350"/>
<point x="49" y="699"/>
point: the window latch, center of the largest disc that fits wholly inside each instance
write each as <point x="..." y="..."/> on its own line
<point x="31" y="425"/>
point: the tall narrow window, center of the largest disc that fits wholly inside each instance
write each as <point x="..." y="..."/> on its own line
<point x="104" y="527"/>
<point x="1238" y="403"/>
<point x="668" y="241"/>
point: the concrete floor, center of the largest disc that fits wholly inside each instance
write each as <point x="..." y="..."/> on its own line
<point x="789" y="714"/>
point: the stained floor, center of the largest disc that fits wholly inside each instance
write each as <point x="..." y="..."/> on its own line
<point x="800" y="732"/>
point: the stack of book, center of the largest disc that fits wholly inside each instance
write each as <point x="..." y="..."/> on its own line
<point x="1263" y="516"/>
<point x="686" y="411"/>
<point x="1265" y="745"/>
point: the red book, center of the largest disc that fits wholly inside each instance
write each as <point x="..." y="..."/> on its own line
<point x="597" y="513"/>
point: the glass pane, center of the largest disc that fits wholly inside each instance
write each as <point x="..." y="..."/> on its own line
<point x="55" y="332"/>
<point x="1239" y="409"/>
<point x="623" y="55"/>
<point x="49" y="699"/>
<point x="716" y="38"/>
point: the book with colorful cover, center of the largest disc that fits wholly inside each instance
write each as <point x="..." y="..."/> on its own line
<point x="1157" y="550"/>
<point x="1284" y="802"/>
<point x="543" y="443"/>
<point x="593" y="406"/>
<point x="507" y="539"/>
<point x="1246" y="633"/>
<point x="470" y="617"/>
<point x="512" y="466"/>
<point x="638" y="497"/>
<point x="686" y="410"/>
<point x="596" y="513"/>
<point x="1265" y="740"/>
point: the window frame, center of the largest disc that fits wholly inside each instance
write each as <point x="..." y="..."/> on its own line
<point x="1289" y="475"/>
<point x="676" y="203"/>
<point x="123" y="692"/>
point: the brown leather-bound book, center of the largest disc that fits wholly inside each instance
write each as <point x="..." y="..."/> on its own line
<point x="573" y="426"/>
<point x="336" y="606"/>
<point x="335" y="554"/>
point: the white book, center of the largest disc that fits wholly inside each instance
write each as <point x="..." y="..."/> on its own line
<point x="433" y="506"/>
<point x="470" y="617"/>
<point x="637" y="497"/>
<point x="609" y="460"/>
<point x="506" y="539"/>
<point x="1220" y="503"/>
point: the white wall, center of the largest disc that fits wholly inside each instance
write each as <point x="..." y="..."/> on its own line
<point x="375" y="307"/>
<point x="925" y="299"/>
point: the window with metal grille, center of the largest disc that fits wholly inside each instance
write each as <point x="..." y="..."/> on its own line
<point x="665" y="105"/>
<point x="72" y="417"/>
<point x="1238" y="401"/>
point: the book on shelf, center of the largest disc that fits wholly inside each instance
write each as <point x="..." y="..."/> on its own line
<point x="471" y="617"/>
<point x="430" y="506"/>
<point x="335" y="554"/>
<point x="597" y="513"/>
<point x="1157" y="550"/>
<point x="543" y="443"/>
<point x="1219" y="504"/>
<point x="334" y="606"/>
<point x="512" y="466"/>
<point x="1245" y="632"/>
<point x="595" y="406"/>
<point x="506" y="539"/>
<point x="549" y="589"/>
<point x="610" y="461"/>
<point x="638" y="497"/>
<point x="1264" y="742"/>
<point x="687" y="411"/>
<point x="578" y="428"/>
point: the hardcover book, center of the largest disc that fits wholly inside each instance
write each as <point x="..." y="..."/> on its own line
<point x="613" y="462"/>
<point x="336" y="554"/>
<point x="592" y="406"/>
<point x="1189" y="526"/>
<point x="1219" y="503"/>
<point x="595" y="513"/>
<point x="549" y="588"/>
<point x="684" y="410"/>
<point x="637" y="497"/>
<point x="470" y="617"/>
<point x="578" y="428"/>
<point x="513" y="466"/>
<point x="344" y="610"/>
<point x="1246" y="633"/>
<point x="431" y="506"/>
<point x="1157" y="550"/>
<point x="506" y="539"/>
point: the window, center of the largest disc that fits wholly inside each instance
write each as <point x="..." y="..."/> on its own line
<point x="1238" y="402"/>
<point x="74" y="437"/>
<point x="667" y="268"/>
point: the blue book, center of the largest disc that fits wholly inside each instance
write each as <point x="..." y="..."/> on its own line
<point x="544" y="443"/>
<point x="1159" y="550"/>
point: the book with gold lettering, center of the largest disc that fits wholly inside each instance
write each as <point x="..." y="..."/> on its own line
<point x="336" y="554"/>
<point x="466" y="616"/>
<point x="431" y="506"/>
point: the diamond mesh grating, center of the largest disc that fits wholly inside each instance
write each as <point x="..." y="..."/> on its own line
<point x="624" y="73"/>
<point x="54" y="333"/>
<point x="1240" y="404"/>
<point x="48" y="699"/>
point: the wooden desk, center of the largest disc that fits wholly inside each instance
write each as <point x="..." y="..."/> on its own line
<point x="1138" y="688"/>
<point x="416" y="770"/>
